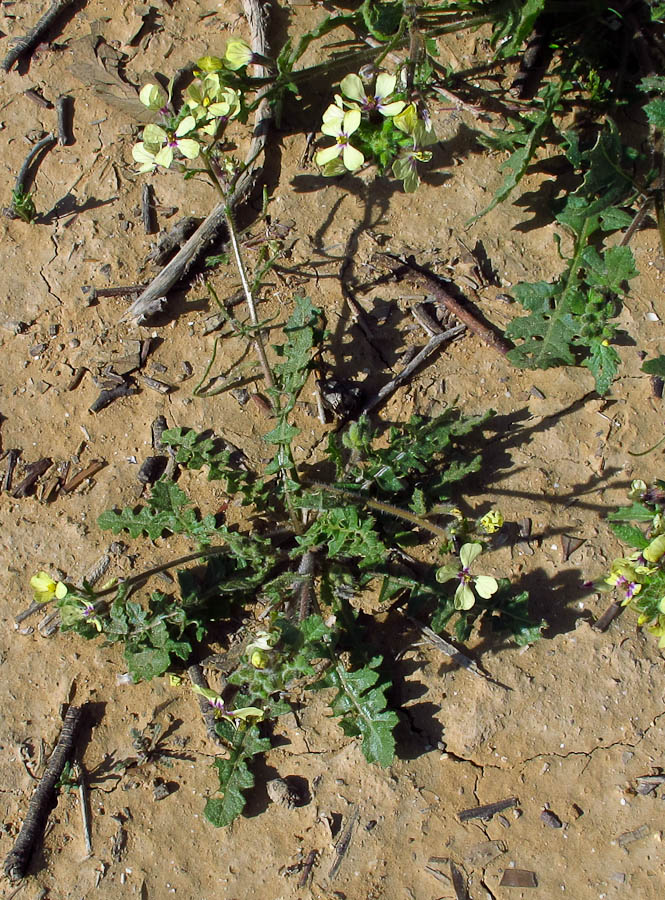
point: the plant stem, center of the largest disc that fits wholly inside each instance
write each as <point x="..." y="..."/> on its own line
<point x="147" y="573"/>
<point x="388" y="508"/>
<point x="249" y="298"/>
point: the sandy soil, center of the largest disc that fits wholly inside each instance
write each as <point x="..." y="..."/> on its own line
<point x="581" y="714"/>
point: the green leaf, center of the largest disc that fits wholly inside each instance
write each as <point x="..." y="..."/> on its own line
<point x="522" y="25"/>
<point x="630" y="534"/>
<point x="636" y="512"/>
<point x="234" y="775"/>
<point x="168" y="511"/>
<point x="361" y="704"/>
<point x="655" y="112"/>
<point x="610" y="270"/>
<point x="517" y="164"/>
<point x="654" y="366"/>
<point x="547" y="333"/>
<point x="146" y="664"/>
<point x="603" y="362"/>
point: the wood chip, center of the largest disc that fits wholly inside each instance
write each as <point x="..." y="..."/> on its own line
<point x="547" y="817"/>
<point x="487" y="811"/>
<point x="521" y="878"/>
<point x="629" y="837"/>
<point x="569" y="545"/>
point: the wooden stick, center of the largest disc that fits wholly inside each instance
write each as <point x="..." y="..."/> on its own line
<point x="41" y="803"/>
<point x="603" y="622"/>
<point x="91" y="469"/>
<point x="343" y="844"/>
<point x="462" y="312"/>
<point x="388" y="389"/>
<point x="153" y="298"/>
<point x="486" y="812"/>
<point x="451" y="650"/>
<point x="63" y="108"/>
<point x="34" y="36"/>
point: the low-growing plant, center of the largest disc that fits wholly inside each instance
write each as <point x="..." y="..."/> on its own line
<point x="308" y="548"/>
<point x="639" y="578"/>
<point x="314" y="537"/>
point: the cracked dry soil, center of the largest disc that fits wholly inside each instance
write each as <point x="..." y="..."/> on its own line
<point x="580" y="715"/>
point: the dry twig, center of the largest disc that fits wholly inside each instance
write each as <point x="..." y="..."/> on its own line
<point x="17" y="860"/>
<point x="34" y="36"/>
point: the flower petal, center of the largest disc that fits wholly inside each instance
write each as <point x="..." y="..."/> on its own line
<point x="152" y="96"/>
<point x="164" y="157"/>
<point x="42" y="582"/>
<point x="485" y="586"/>
<point x="153" y="134"/>
<point x="351" y="122"/>
<point x="655" y="550"/>
<point x="464" y="598"/>
<point x="238" y="53"/>
<point x="324" y="156"/>
<point x="60" y="590"/>
<point x="353" y="159"/>
<point x="189" y="148"/>
<point x="142" y="155"/>
<point x="392" y="109"/>
<point x="445" y="573"/>
<point x="352" y="87"/>
<point x="469" y="552"/>
<point x="210" y="63"/>
<point x="385" y="85"/>
<point x="188" y="124"/>
<point x="333" y="114"/>
<point x="406" y="120"/>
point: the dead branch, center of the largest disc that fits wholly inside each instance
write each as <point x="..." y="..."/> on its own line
<point x="34" y="36"/>
<point x="463" y="312"/>
<point x="41" y="803"/>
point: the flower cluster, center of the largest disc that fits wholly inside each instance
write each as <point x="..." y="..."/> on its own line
<point x="380" y="123"/>
<point x="640" y="577"/>
<point x="209" y="105"/>
<point x="343" y="117"/>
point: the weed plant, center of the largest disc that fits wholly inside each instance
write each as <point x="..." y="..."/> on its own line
<point x="315" y="539"/>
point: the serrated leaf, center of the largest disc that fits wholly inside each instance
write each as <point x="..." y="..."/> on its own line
<point x="613" y="219"/>
<point x="630" y="534"/>
<point x="168" y="511"/>
<point x="517" y="164"/>
<point x="362" y="705"/>
<point x="655" y="112"/>
<point x="610" y="270"/>
<point x="654" y="366"/>
<point x="603" y="362"/>
<point x="146" y="664"/>
<point x="234" y="774"/>
<point x="547" y="333"/>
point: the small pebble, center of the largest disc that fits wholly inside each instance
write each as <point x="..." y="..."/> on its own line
<point x="37" y="349"/>
<point x="550" y="819"/>
<point x="280" y="791"/>
<point x="160" y="790"/>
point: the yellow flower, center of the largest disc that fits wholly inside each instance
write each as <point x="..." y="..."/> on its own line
<point x="46" y="588"/>
<point x="492" y="521"/>
<point x="655" y="550"/>
<point x="238" y="53"/>
<point x="340" y="124"/>
<point x="259" y="659"/>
